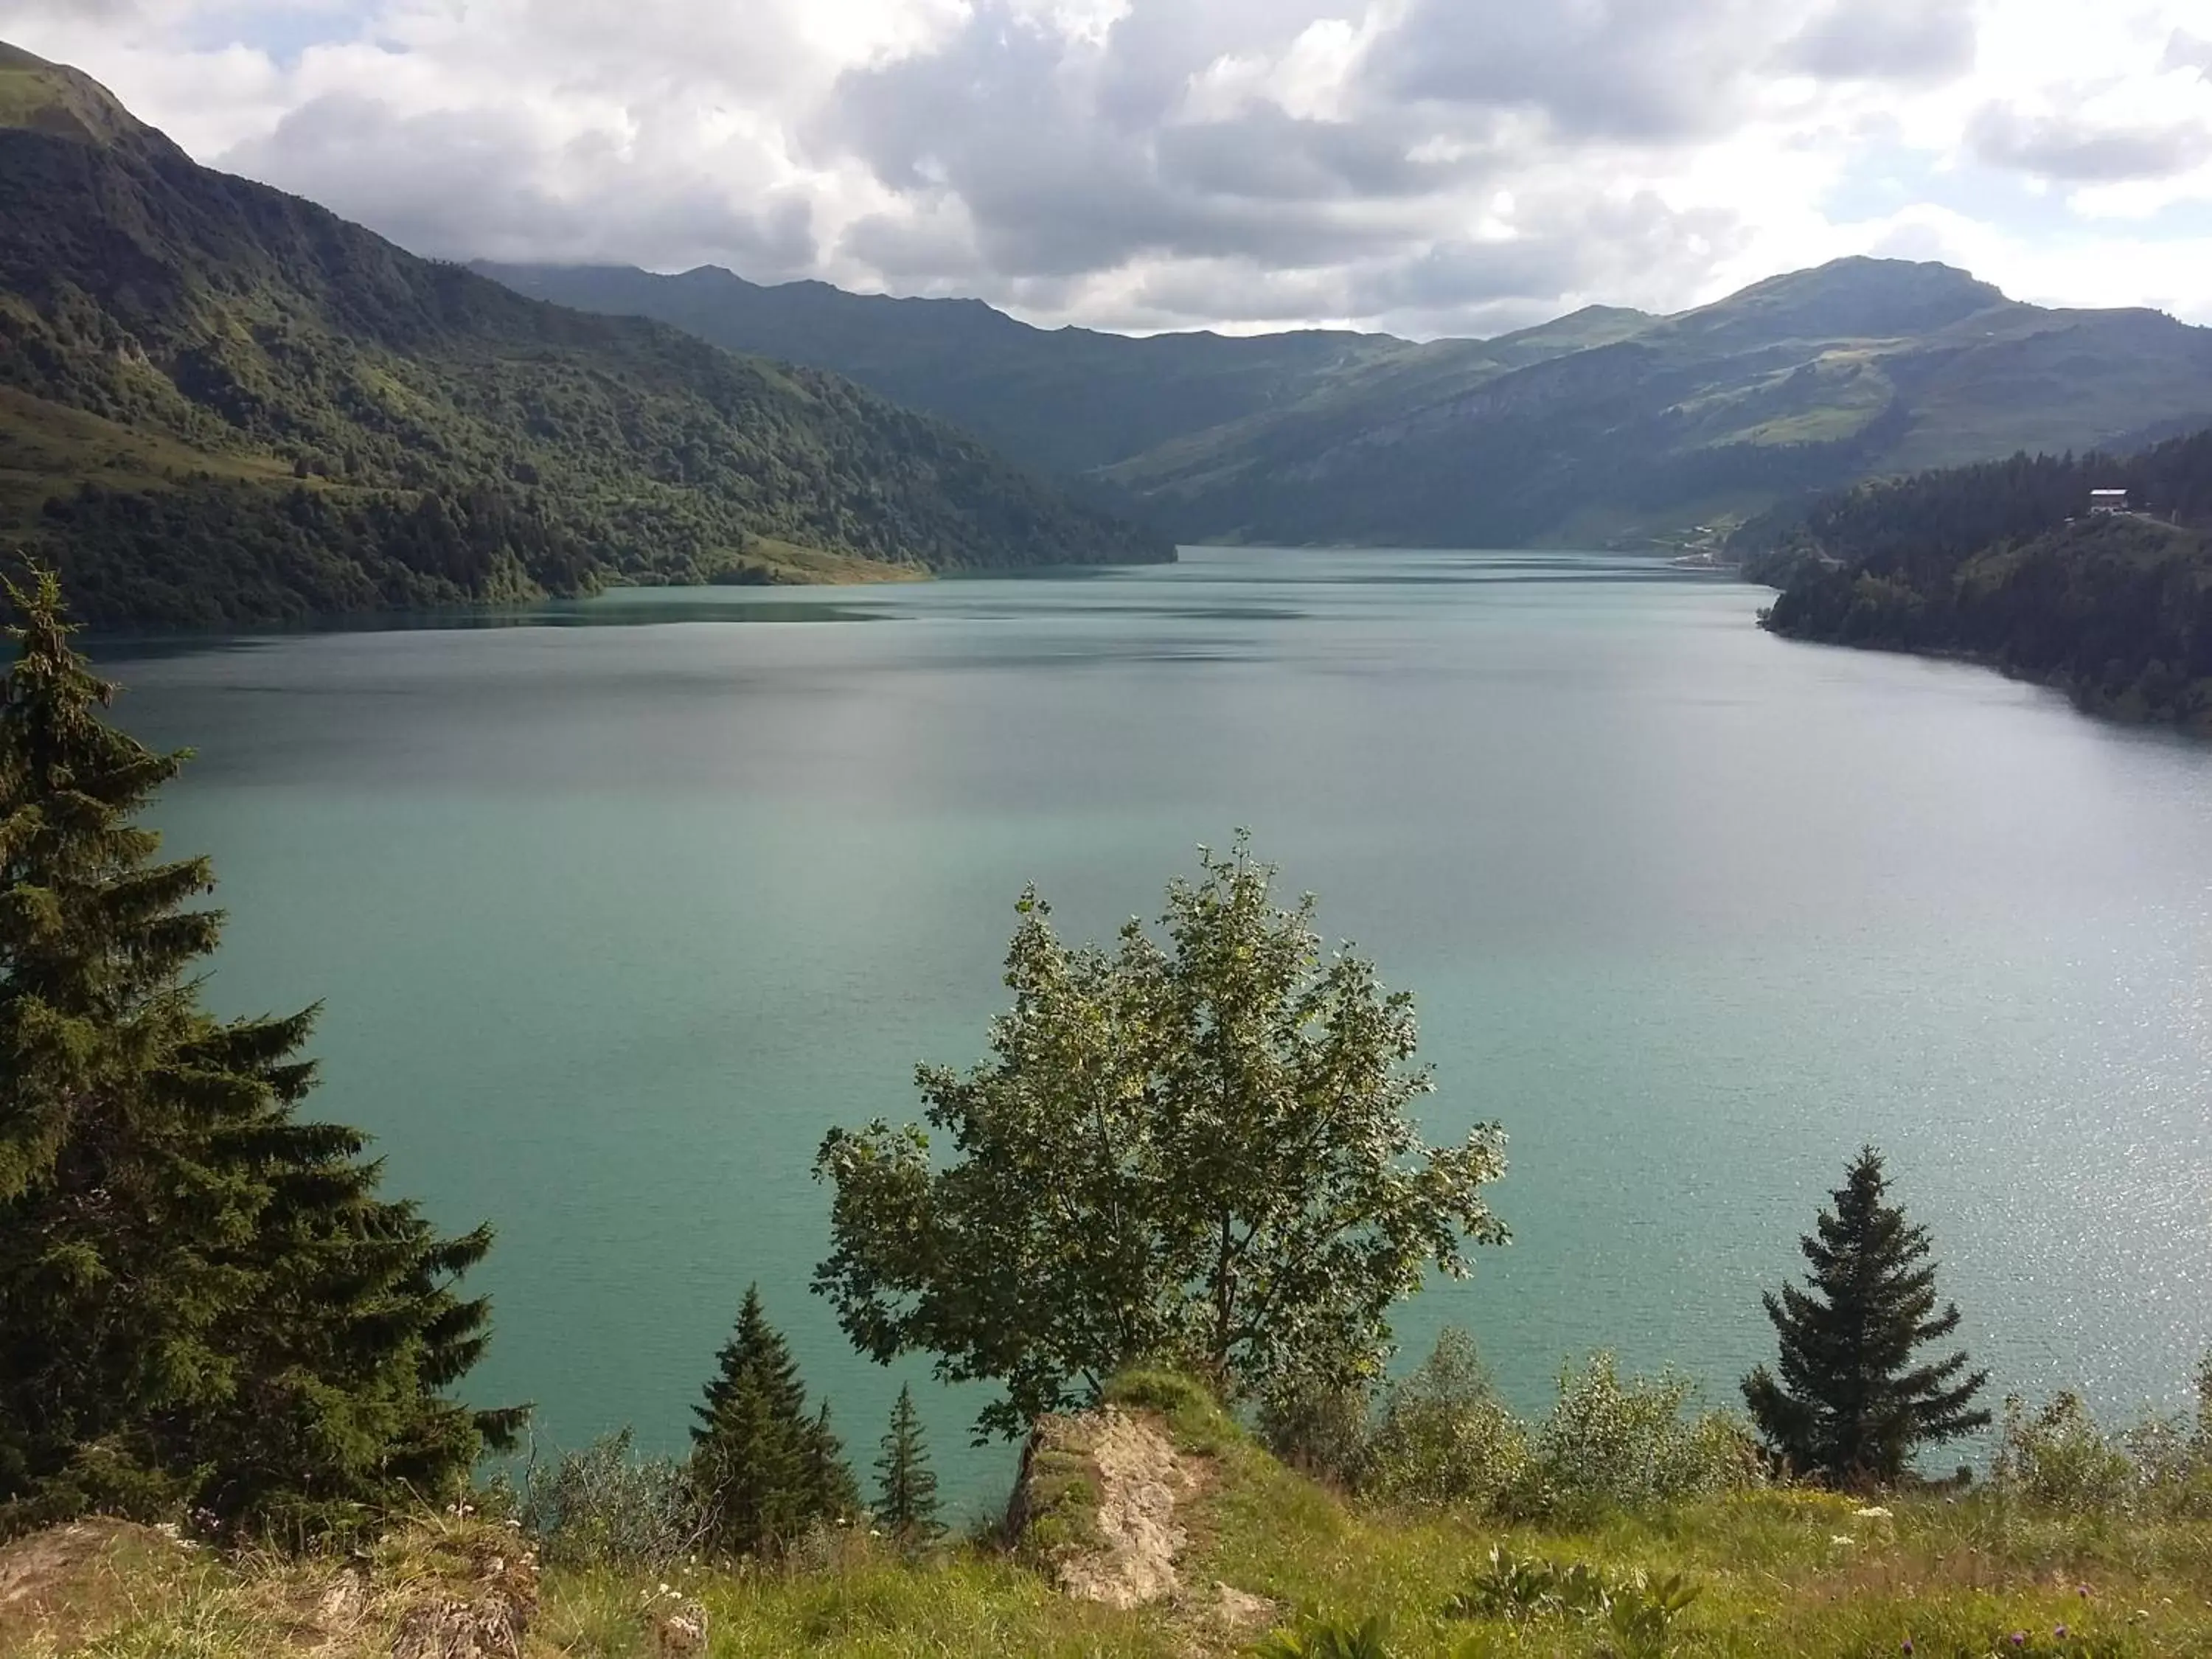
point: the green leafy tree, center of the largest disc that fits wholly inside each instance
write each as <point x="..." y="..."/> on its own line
<point x="204" y="1300"/>
<point x="905" y="1487"/>
<point x="1199" y="1149"/>
<point x="766" y="1470"/>
<point x="1851" y="1404"/>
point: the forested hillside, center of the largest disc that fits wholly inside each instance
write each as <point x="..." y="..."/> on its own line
<point x="1066" y="400"/>
<point x="220" y="404"/>
<point x="1605" y="426"/>
<point x="2003" y="562"/>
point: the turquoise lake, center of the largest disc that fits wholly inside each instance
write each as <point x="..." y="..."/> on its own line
<point x="616" y="909"/>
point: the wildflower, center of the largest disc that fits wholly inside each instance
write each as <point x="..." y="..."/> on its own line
<point x="1838" y="1538"/>
<point x="2018" y="1638"/>
<point x="2060" y="1632"/>
<point x="1871" y="1512"/>
<point x="1908" y="1645"/>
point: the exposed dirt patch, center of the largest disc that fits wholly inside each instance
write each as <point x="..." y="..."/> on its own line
<point x="1098" y="1498"/>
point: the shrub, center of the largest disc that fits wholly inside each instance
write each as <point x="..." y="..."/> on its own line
<point x="2060" y="1458"/>
<point x="1329" y="1639"/>
<point x="605" y="1505"/>
<point x="1445" y="1437"/>
<point x="1629" y="1442"/>
<point x="1639" y="1611"/>
<point x="1320" y="1429"/>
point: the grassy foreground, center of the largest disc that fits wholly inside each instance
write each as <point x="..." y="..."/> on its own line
<point x="1777" y="1573"/>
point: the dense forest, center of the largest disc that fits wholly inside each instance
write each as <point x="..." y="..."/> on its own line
<point x="220" y="404"/>
<point x="2004" y="563"/>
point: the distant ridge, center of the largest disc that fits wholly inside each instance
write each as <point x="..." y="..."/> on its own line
<point x="1607" y="426"/>
<point x="220" y="403"/>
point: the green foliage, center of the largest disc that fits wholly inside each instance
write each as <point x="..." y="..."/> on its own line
<point x="765" y="1472"/>
<point x="1320" y="1429"/>
<point x="1200" y="1150"/>
<point x="2058" y="1457"/>
<point x="1851" y="1404"/>
<point x="1636" y="1610"/>
<point x="1445" y="1437"/>
<point x="1633" y="1443"/>
<point x="1993" y="562"/>
<point x="1329" y="1639"/>
<point x="220" y="403"/>
<point x="605" y="1505"/>
<point x="1522" y="1587"/>
<point x="204" y="1300"/>
<point x="905" y="1487"/>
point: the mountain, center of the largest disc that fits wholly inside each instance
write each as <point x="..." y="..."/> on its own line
<point x="1802" y="383"/>
<point x="2004" y="562"/>
<point x="1606" y="425"/>
<point x="219" y="403"/>
<point x="1066" y="400"/>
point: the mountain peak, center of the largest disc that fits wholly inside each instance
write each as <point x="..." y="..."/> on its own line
<point x="1855" y="296"/>
<point x="38" y="96"/>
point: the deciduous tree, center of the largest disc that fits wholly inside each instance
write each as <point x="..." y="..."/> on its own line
<point x="1198" y="1149"/>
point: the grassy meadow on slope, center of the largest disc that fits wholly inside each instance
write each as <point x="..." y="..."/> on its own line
<point x="219" y="403"/>
<point x="1762" y="1571"/>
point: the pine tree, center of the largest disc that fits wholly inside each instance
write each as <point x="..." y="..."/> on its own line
<point x="1851" y="1405"/>
<point x="836" y="1494"/>
<point x="765" y="1468"/>
<point x="203" y="1300"/>
<point x="906" y="1488"/>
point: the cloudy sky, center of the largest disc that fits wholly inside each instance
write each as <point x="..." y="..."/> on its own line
<point x="1423" y="165"/>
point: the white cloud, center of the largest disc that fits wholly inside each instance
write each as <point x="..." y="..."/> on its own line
<point x="1425" y="165"/>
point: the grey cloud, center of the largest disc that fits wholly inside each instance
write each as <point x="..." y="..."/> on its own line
<point x="1640" y="70"/>
<point x="2187" y="51"/>
<point x="1907" y="40"/>
<point x="1004" y="118"/>
<point x="1271" y="155"/>
<point x="13" y="12"/>
<point x="463" y="185"/>
<point x="1624" y="249"/>
<point x="2063" y="148"/>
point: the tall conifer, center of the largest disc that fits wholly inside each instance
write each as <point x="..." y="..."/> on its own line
<point x="767" y="1470"/>
<point x="1851" y="1406"/>
<point x="836" y="1494"/>
<point x="202" y="1299"/>
<point x="905" y="1487"/>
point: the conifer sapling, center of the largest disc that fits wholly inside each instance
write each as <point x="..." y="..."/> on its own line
<point x="1851" y="1405"/>
<point x="905" y="1487"/>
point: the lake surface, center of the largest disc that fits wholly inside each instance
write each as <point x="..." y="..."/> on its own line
<point x="612" y="922"/>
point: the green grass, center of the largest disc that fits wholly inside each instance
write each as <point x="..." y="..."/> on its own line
<point x="1788" y="1573"/>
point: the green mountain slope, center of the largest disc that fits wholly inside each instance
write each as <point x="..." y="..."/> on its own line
<point x="1607" y="424"/>
<point x="1066" y="400"/>
<point x="2000" y="562"/>
<point x="220" y="403"/>
<point x="1802" y="383"/>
